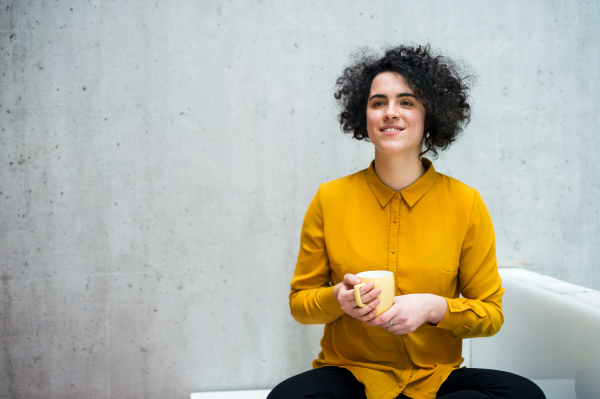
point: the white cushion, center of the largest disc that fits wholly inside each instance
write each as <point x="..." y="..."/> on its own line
<point x="259" y="394"/>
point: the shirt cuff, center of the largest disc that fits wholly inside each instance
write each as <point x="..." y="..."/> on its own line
<point x="329" y="303"/>
<point x="454" y="315"/>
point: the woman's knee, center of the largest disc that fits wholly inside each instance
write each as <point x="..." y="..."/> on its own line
<point x="494" y="383"/>
<point x="324" y="382"/>
<point x="518" y="387"/>
<point x="293" y="388"/>
<point x="527" y="389"/>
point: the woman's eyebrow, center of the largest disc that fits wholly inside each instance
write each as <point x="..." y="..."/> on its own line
<point x="377" y="96"/>
<point x="397" y="95"/>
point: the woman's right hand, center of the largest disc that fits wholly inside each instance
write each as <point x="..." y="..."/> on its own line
<point x="344" y="294"/>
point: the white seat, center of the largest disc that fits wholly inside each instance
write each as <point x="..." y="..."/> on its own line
<point x="551" y="334"/>
<point x="258" y="394"/>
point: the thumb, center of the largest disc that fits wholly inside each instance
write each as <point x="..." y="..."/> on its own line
<point x="351" y="280"/>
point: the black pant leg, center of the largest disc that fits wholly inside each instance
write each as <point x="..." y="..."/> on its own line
<point x="483" y="384"/>
<point x="325" y="382"/>
<point x="338" y="383"/>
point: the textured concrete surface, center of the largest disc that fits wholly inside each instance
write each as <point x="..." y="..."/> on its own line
<point x="157" y="158"/>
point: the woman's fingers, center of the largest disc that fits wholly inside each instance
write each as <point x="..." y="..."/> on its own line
<point x="368" y="292"/>
<point x="368" y="316"/>
<point x="364" y="313"/>
<point x="368" y="308"/>
<point x="401" y="329"/>
<point x="393" y="314"/>
<point x="398" y="330"/>
<point x="368" y="295"/>
<point x="351" y="280"/>
<point x="367" y="313"/>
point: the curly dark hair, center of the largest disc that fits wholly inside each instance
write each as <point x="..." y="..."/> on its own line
<point x="442" y="85"/>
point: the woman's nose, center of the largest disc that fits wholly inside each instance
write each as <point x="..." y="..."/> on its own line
<point x="391" y="113"/>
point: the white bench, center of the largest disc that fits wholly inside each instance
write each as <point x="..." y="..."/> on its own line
<point x="260" y="394"/>
<point x="551" y="335"/>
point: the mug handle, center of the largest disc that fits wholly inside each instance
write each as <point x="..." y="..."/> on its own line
<point x="357" y="295"/>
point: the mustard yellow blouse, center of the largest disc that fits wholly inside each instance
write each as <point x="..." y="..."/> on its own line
<point x="437" y="237"/>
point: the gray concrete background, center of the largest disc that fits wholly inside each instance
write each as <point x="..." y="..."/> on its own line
<point x="157" y="158"/>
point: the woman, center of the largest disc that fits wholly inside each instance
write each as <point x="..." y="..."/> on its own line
<point x="433" y="232"/>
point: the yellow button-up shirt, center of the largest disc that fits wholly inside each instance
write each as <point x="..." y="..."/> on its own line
<point x="437" y="237"/>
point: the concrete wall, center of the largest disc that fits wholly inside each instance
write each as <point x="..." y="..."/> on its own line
<point x="157" y="158"/>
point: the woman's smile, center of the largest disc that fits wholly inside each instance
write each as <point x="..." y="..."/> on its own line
<point x="391" y="130"/>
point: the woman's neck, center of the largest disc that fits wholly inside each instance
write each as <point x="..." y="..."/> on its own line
<point x="398" y="172"/>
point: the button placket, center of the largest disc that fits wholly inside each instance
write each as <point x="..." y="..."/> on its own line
<point x="393" y="266"/>
<point x="394" y="228"/>
<point x="392" y="255"/>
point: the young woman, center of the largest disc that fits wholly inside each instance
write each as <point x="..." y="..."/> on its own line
<point x="433" y="232"/>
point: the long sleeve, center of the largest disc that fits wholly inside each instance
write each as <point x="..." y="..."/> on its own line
<point x="479" y="312"/>
<point x="311" y="296"/>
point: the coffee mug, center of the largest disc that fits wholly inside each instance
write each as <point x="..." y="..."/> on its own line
<point x="384" y="280"/>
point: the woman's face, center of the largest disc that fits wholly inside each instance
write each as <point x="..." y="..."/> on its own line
<point x="395" y="119"/>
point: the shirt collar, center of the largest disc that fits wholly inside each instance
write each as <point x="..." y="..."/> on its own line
<point x="411" y="194"/>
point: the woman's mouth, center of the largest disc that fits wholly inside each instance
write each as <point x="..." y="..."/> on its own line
<point x="390" y="130"/>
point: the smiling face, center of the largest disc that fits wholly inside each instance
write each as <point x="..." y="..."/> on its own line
<point x="395" y="118"/>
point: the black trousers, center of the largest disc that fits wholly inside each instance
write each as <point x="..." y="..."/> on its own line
<point x="339" y="383"/>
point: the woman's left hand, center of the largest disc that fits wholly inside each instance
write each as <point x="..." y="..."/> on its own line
<point x="410" y="311"/>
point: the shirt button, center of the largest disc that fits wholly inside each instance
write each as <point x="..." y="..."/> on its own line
<point x="393" y="251"/>
<point x="395" y="220"/>
<point x="454" y="305"/>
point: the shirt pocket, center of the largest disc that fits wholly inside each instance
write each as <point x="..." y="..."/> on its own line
<point x="427" y="279"/>
<point x="448" y="283"/>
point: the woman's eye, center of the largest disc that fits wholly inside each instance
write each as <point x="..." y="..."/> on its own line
<point x="377" y="103"/>
<point x="407" y="103"/>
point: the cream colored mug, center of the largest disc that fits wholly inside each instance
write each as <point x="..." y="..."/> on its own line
<point x="384" y="280"/>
